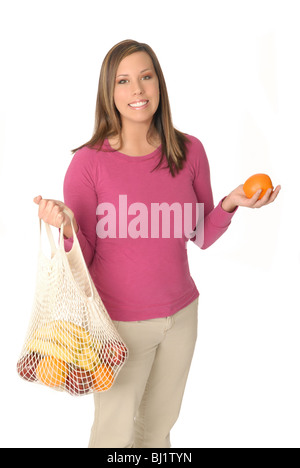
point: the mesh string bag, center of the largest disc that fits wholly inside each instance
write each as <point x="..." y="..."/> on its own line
<point x="71" y="343"/>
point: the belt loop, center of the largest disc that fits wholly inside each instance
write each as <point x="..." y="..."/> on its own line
<point x="170" y="322"/>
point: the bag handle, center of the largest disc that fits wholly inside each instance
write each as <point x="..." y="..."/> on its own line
<point x="76" y="241"/>
<point x="50" y="237"/>
<point x="62" y="246"/>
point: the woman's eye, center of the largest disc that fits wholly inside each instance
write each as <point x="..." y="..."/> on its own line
<point x="148" y="77"/>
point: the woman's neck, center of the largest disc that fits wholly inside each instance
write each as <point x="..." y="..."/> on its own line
<point x="135" y="143"/>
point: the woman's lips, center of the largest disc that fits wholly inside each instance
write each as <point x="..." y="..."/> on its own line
<point x="137" y="106"/>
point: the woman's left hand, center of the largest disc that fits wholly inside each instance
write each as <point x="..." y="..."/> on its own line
<point x="238" y="198"/>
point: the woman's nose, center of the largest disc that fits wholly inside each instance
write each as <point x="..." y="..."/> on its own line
<point x="137" y="88"/>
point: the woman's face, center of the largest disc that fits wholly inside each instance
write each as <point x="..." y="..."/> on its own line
<point x="136" y="92"/>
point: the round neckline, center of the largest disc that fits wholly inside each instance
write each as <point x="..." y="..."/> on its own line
<point x="133" y="158"/>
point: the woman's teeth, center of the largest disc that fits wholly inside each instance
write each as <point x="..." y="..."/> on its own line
<point x="139" y="104"/>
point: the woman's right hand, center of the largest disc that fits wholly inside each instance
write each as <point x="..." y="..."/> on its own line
<point x="51" y="212"/>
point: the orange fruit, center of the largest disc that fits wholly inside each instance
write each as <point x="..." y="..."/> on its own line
<point x="52" y="372"/>
<point x="103" y="378"/>
<point x="255" y="183"/>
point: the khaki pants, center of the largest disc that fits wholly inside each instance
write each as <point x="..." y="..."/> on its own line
<point x="144" y="403"/>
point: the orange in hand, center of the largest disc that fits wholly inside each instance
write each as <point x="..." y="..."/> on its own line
<point x="255" y="183"/>
<point x="103" y="378"/>
<point x="52" y="372"/>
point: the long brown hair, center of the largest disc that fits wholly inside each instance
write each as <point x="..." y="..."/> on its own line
<point x="107" y="117"/>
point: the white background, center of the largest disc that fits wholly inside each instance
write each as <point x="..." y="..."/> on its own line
<point x="233" y="77"/>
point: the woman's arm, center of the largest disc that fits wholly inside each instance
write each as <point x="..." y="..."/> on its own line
<point x="216" y="219"/>
<point x="80" y="196"/>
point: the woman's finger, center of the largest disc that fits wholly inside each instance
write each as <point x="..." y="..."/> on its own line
<point x="46" y="207"/>
<point x="254" y="199"/>
<point x="264" y="200"/>
<point x="274" y="194"/>
<point x="37" y="199"/>
<point x="54" y="212"/>
<point x="270" y="197"/>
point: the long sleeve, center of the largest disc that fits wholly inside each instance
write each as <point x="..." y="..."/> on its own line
<point x="216" y="220"/>
<point x="80" y="196"/>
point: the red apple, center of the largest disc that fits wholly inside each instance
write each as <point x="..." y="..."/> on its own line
<point x="113" y="354"/>
<point x="27" y="365"/>
<point x="79" y="381"/>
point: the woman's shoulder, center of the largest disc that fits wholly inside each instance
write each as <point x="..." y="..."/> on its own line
<point x="194" y="142"/>
<point x="89" y="154"/>
<point x="85" y="152"/>
<point x="85" y="161"/>
<point x="195" y="148"/>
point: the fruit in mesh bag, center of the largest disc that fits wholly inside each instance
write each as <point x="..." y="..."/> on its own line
<point x="72" y="359"/>
<point x="103" y="378"/>
<point x="87" y="359"/>
<point x="113" y="353"/>
<point x="52" y="371"/>
<point x="64" y="333"/>
<point x="50" y="348"/>
<point x="79" y="381"/>
<point x="26" y="366"/>
<point x="65" y="341"/>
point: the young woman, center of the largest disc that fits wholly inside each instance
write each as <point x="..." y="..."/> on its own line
<point x="137" y="162"/>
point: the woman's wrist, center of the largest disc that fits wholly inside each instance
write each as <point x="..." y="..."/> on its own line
<point x="68" y="231"/>
<point x="228" y="204"/>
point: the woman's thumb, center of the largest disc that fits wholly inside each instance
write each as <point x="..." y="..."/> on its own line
<point x="37" y="199"/>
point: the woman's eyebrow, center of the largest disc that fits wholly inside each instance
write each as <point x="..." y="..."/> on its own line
<point x="146" y="69"/>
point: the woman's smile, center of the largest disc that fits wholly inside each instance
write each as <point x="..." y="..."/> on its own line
<point x="137" y="105"/>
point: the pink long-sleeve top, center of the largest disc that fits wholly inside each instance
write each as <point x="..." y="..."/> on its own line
<point x="136" y="257"/>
